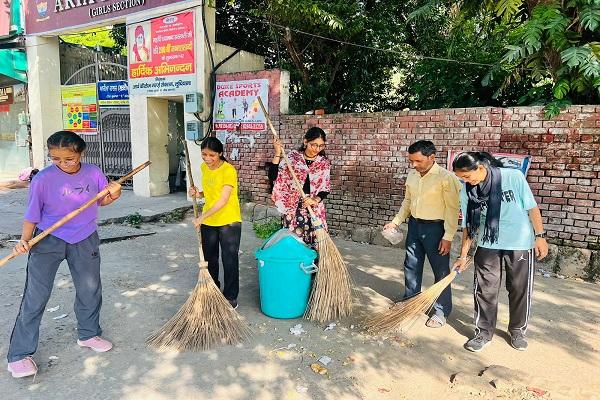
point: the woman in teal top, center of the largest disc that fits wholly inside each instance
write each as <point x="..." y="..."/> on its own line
<point x="501" y="214"/>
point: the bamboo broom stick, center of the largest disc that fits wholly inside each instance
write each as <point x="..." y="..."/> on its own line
<point x="73" y="213"/>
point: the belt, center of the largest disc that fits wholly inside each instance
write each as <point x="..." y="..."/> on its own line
<point x="427" y="221"/>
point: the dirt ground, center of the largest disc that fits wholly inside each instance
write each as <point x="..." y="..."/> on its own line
<point x="147" y="279"/>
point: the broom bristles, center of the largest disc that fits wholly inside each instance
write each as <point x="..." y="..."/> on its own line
<point x="205" y="320"/>
<point x="331" y="295"/>
<point x="404" y="313"/>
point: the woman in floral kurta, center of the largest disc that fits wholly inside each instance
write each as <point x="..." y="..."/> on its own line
<point x="312" y="169"/>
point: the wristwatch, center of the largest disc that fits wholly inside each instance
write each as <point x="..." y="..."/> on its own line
<point x="540" y="235"/>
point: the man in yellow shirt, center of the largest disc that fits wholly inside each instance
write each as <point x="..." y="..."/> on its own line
<point x="431" y="205"/>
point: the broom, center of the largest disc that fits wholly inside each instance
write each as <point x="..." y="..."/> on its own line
<point x="206" y="318"/>
<point x="101" y="195"/>
<point x="331" y="295"/>
<point x="404" y="313"/>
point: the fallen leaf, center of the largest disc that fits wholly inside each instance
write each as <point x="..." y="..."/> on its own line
<point x="536" y="391"/>
<point x="383" y="390"/>
<point x="318" y="369"/>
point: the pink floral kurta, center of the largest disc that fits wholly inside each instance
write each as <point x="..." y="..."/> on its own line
<point x="288" y="200"/>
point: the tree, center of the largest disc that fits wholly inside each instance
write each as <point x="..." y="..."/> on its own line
<point x="552" y="44"/>
<point x="324" y="73"/>
<point x="475" y="43"/>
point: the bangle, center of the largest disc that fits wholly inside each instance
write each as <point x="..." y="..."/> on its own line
<point x="463" y="258"/>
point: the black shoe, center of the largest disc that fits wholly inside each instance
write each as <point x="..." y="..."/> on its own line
<point x="233" y="303"/>
<point x="477" y="344"/>
<point x="518" y="341"/>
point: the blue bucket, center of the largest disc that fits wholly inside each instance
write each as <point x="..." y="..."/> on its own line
<point x="285" y="268"/>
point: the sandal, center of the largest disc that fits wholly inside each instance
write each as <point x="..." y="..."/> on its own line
<point x="435" y="321"/>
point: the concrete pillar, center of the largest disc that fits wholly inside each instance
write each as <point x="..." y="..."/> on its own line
<point x="149" y="115"/>
<point x="45" y="105"/>
<point x="149" y="139"/>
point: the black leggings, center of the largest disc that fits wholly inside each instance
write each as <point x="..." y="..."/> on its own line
<point x="228" y="238"/>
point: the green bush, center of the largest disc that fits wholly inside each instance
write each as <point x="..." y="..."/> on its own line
<point x="134" y="220"/>
<point x="265" y="228"/>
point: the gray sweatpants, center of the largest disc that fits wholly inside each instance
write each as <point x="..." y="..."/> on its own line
<point x="83" y="259"/>
<point x="489" y="267"/>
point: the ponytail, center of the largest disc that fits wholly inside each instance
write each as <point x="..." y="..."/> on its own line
<point x="471" y="160"/>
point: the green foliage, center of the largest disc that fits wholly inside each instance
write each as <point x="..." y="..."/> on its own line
<point x="177" y="215"/>
<point x="529" y="52"/>
<point x="551" y="51"/>
<point x="323" y="73"/>
<point x="438" y="31"/>
<point x="119" y="34"/>
<point x="553" y="108"/>
<point x="265" y="228"/>
<point x="555" y="43"/>
<point x="112" y="40"/>
<point x="134" y="220"/>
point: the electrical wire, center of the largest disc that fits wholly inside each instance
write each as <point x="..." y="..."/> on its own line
<point x="330" y="39"/>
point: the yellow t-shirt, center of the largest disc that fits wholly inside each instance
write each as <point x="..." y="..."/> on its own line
<point x="212" y="185"/>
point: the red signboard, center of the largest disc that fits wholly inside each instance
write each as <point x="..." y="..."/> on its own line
<point x="4" y="108"/>
<point x="161" y="55"/>
<point x="42" y="16"/>
<point x="6" y="95"/>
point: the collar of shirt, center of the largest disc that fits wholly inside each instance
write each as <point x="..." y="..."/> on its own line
<point x="434" y="170"/>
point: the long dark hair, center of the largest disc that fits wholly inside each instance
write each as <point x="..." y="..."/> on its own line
<point x="68" y="139"/>
<point x="214" y="144"/>
<point x="311" y="134"/>
<point x="471" y="160"/>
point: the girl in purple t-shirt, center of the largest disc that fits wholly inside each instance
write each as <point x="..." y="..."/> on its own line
<point x="54" y="192"/>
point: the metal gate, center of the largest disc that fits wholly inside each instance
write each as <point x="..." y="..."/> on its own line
<point x="110" y="148"/>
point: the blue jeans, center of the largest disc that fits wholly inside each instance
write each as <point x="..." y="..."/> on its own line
<point x="423" y="240"/>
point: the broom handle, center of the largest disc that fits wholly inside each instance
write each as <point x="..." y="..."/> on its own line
<point x="74" y="213"/>
<point x="285" y="157"/>
<point x="188" y="165"/>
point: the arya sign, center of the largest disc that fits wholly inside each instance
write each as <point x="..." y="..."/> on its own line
<point x="43" y="16"/>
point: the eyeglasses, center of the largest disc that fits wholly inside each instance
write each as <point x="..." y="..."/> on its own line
<point x="317" y="146"/>
<point x="67" y="163"/>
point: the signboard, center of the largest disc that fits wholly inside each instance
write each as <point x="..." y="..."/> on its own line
<point x="113" y="93"/>
<point x="43" y="16"/>
<point x="6" y="95"/>
<point x="161" y="55"/>
<point x="516" y="161"/>
<point x="236" y="105"/>
<point x="4" y="107"/>
<point x="80" y="109"/>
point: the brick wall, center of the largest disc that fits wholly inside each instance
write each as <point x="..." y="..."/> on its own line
<point x="565" y="168"/>
<point x="369" y="159"/>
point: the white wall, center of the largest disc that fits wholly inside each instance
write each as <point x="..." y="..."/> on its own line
<point x="45" y="108"/>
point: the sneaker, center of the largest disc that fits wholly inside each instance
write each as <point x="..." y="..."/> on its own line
<point x="233" y="303"/>
<point x="477" y="343"/>
<point x="97" y="344"/>
<point x="22" y="368"/>
<point x="518" y="341"/>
